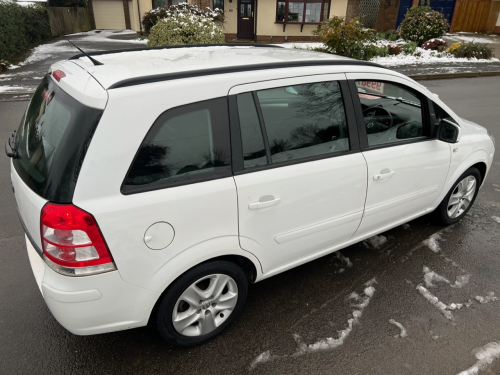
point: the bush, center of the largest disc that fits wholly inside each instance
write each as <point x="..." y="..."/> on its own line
<point x="422" y="23"/>
<point x="472" y="49"/>
<point x="382" y="51"/>
<point x="346" y="38"/>
<point x="454" y="47"/>
<point x="409" y="48"/>
<point x="391" y="35"/>
<point x="185" y="27"/>
<point x="395" y="49"/>
<point x="21" y="28"/>
<point x="151" y="18"/>
<point x="435" y="44"/>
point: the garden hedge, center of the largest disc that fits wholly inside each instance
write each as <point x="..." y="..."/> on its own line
<point x="21" y="27"/>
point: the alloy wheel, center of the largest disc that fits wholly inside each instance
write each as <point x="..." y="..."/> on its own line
<point x="461" y="197"/>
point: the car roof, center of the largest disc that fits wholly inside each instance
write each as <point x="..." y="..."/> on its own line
<point x="143" y="65"/>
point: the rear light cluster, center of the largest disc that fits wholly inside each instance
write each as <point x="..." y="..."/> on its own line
<point x="72" y="242"/>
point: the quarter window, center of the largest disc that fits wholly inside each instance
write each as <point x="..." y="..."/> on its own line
<point x="441" y="114"/>
<point x="391" y="113"/>
<point x="305" y="11"/>
<point x="303" y="121"/>
<point x="185" y="144"/>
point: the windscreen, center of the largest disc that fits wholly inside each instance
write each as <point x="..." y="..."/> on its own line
<point x="52" y="140"/>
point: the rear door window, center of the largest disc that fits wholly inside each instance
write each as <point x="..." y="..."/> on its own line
<point x="300" y="121"/>
<point x="52" y="140"/>
<point x="185" y="145"/>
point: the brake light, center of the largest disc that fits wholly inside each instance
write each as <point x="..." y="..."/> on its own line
<point x="72" y="242"/>
<point x="58" y="74"/>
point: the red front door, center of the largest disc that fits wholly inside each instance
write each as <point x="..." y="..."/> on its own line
<point x="245" y="19"/>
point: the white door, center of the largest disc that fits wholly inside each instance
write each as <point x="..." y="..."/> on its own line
<point x="305" y="191"/>
<point x="407" y="167"/>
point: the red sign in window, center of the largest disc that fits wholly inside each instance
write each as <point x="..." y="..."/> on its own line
<point x="372" y="86"/>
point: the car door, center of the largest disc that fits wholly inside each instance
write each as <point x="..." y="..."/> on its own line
<point x="299" y="173"/>
<point x="407" y="165"/>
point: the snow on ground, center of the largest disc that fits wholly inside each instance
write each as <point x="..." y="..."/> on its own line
<point x="375" y="242"/>
<point x="470" y="37"/>
<point x="443" y="308"/>
<point x="496" y="218"/>
<point x="485" y="357"/>
<point x="430" y="277"/>
<point x="432" y="242"/>
<point x="343" y="259"/>
<point x="14" y="89"/>
<point x="403" y="332"/>
<point x="489" y="298"/>
<point x="300" y="45"/>
<point x="328" y="343"/>
<point x="107" y="36"/>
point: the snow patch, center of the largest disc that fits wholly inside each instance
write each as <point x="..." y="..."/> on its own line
<point x="430" y="277"/>
<point x="485" y="357"/>
<point x="496" y="219"/>
<point x="45" y="51"/>
<point x="375" y="242"/>
<point x="489" y="298"/>
<point x="406" y="226"/>
<point x="400" y="326"/>
<point x="14" y="89"/>
<point x="343" y="259"/>
<point x="432" y="242"/>
<point x="443" y="309"/>
<point x="261" y="358"/>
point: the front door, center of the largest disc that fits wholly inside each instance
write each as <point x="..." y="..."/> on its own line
<point x="245" y="19"/>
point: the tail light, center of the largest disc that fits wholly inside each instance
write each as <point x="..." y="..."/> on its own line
<point x="72" y="242"/>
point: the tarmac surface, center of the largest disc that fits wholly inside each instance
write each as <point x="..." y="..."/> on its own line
<point x="306" y="305"/>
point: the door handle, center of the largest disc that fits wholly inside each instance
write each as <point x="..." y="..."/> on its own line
<point x="386" y="173"/>
<point x="258" y="205"/>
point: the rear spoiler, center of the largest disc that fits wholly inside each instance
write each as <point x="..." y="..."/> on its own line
<point x="10" y="150"/>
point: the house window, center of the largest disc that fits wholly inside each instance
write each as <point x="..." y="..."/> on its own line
<point x="305" y="11"/>
<point x="166" y="3"/>
<point x="219" y="4"/>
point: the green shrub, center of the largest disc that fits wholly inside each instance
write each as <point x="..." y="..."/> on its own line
<point x="382" y="51"/>
<point x="21" y="27"/>
<point x="422" y="23"/>
<point x="185" y="27"/>
<point x="392" y="35"/>
<point x="151" y="18"/>
<point x="380" y="36"/>
<point x="409" y="48"/>
<point x="472" y="49"/>
<point x="395" y="49"/>
<point x="346" y="38"/>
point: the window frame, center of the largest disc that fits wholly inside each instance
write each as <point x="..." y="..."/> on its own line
<point x="321" y="17"/>
<point x="169" y="3"/>
<point x="237" y="143"/>
<point x="218" y="173"/>
<point x="213" y="5"/>
<point x="363" y="136"/>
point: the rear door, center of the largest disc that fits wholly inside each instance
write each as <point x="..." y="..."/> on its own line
<point x="407" y="165"/>
<point x="300" y="177"/>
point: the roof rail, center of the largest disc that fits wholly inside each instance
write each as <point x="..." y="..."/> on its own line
<point x="172" y="47"/>
<point x="235" y="69"/>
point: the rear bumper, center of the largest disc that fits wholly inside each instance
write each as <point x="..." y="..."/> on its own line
<point x="92" y="304"/>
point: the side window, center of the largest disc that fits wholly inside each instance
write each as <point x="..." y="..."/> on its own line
<point x="391" y="113"/>
<point x="254" y="151"/>
<point x="185" y="144"/>
<point x="441" y="114"/>
<point x="304" y="120"/>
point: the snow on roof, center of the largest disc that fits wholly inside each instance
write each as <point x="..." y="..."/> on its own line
<point x="134" y="64"/>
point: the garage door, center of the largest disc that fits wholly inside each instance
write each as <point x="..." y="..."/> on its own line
<point x="109" y="14"/>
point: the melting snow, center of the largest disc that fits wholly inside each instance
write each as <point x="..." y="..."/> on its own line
<point x="14" y="89"/>
<point x="343" y="259"/>
<point x="432" y="242"/>
<point x="443" y="309"/>
<point x="400" y="326"/>
<point x="261" y="358"/>
<point x="496" y="218"/>
<point x="375" y="242"/>
<point x="430" y="277"/>
<point x="485" y="356"/>
<point x="489" y="298"/>
<point x="406" y="226"/>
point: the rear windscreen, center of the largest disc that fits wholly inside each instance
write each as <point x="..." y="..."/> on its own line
<point x="52" y="140"/>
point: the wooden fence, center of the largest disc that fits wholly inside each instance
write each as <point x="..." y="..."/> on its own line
<point x="69" y="20"/>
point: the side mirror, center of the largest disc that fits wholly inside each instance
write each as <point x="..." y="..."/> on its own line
<point x="448" y="131"/>
<point x="407" y="131"/>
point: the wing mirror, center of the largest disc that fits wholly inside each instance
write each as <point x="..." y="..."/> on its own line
<point x="409" y="131"/>
<point x="448" y="131"/>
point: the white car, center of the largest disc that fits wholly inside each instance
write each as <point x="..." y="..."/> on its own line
<point x="156" y="184"/>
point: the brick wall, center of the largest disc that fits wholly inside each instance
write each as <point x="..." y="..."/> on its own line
<point x="387" y="15"/>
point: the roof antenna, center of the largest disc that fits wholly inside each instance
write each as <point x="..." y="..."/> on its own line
<point x="94" y="61"/>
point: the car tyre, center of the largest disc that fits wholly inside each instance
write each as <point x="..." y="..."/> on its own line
<point x="460" y="198"/>
<point x="184" y="320"/>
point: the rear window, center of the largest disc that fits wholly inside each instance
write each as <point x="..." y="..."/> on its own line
<point x="52" y="140"/>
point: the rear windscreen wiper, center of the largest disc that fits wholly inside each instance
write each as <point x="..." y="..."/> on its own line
<point x="10" y="150"/>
